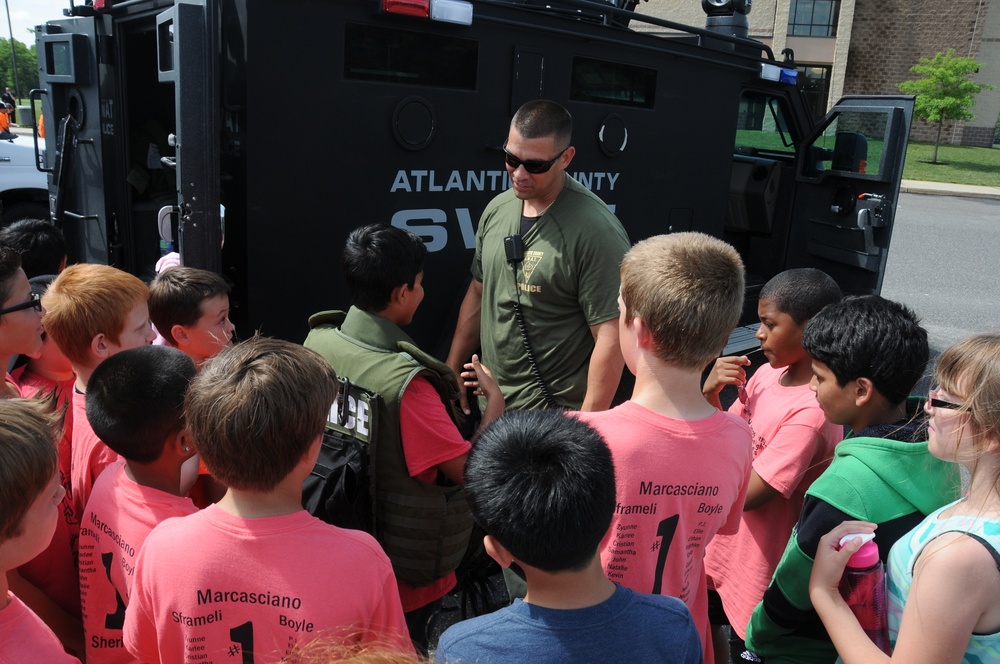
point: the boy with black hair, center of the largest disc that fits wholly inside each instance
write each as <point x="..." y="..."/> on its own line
<point x="867" y="355"/>
<point x="135" y="404"/>
<point x="542" y="486"/>
<point x="792" y="444"/>
<point x="42" y="246"/>
<point x="252" y="575"/>
<point x="29" y="510"/>
<point x="190" y="309"/>
<point x="681" y="465"/>
<point x="420" y="452"/>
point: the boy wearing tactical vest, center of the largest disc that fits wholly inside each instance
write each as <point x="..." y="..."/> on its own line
<point x="421" y="454"/>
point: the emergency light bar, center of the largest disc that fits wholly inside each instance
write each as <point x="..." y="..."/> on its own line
<point x="447" y="11"/>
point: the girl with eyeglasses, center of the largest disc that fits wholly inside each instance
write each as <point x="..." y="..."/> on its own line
<point x="944" y="575"/>
<point x="20" y="315"/>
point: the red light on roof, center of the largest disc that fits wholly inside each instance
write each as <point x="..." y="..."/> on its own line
<point x="420" y="8"/>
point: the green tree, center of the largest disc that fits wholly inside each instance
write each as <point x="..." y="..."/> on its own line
<point x="944" y="90"/>
<point x="27" y="67"/>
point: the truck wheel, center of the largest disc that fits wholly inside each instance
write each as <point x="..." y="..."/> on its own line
<point x="19" y="211"/>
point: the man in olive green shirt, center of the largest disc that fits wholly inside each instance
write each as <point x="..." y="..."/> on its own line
<point x="567" y="282"/>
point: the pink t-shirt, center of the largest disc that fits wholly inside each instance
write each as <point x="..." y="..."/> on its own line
<point x="793" y="445"/>
<point x="89" y="455"/>
<point x="53" y="571"/>
<point x="429" y="438"/>
<point x="679" y="482"/>
<point x="211" y="586"/>
<point x="119" y="516"/>
<point x="25" y="639"/>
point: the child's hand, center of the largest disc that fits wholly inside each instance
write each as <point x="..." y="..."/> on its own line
<point x="479" y="377"/>
<point x="831" y="558"/>
<point x="726" y="371"/>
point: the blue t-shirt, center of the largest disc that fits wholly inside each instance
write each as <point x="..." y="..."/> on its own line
<point x="629" y="625"/>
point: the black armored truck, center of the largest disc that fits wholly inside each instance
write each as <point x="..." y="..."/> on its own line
<point x="253" y="135"/>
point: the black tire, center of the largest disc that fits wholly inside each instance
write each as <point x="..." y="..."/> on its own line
<point x="19" y="211"/>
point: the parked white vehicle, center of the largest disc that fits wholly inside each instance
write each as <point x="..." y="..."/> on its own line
<point x="24" y="192"/>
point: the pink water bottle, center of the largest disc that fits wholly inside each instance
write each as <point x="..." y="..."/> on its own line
<point x="863" y="588"/>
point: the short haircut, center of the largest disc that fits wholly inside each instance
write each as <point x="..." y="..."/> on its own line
<point x="377" y="259"/>
<point x="542" y="118"/>
<point x="41" y="244"/>
<point x="688" y="288"/>
<point x="10" y="263"/>
<point x="255" y="409"/>
<point x="870" y="337"/>
<point x="28" y="459"/>
<point x="801" y="292"/>
<point x="135" y="400"/>
<point x="175" y="297"/>
<point x="542" y="484"/>
<point x="87" y="300"/>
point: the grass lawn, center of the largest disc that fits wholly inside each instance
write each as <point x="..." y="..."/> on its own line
<point x="958" y="164"/>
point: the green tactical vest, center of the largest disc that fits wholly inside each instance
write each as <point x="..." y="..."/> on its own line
<point x="423" y="528"/>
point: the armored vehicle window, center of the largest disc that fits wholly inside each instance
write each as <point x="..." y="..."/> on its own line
<point x="373" y="53"/>
<point x="612" y="83"/>
<point x="761" y="127"/>
<point x="852" y="143"/>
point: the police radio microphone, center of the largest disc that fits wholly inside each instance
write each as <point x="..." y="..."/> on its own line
<point x="513" y="247"/>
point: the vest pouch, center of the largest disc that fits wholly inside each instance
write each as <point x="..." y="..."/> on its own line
<point x="339" y="489"/>
<point x="425" y="532"/>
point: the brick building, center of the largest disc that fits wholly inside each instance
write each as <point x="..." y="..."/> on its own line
<point x="868" y="46"/>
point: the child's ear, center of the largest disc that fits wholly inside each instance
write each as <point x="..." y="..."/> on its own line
<point x="864" y="391"/>
<point x="311" y="455"/>
<point x="179" y="334"/>
<point x="99" y="346"/>
<point x="181" y="444"/>
<point x="643" y="337"/>
<point x="496" y="551"/>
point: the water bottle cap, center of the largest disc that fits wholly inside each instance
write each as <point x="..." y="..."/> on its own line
<point x="866" y="556"/>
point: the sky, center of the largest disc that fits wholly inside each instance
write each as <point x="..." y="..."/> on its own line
<point x="26" y="14"/>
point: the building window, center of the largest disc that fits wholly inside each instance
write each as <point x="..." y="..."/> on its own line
<point x="815" y="83"/>
<point x="814" y="18"/>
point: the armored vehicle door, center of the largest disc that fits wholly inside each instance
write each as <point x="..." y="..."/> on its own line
<point x="848" y="174"/>
<point x="78" y="122"/>
<point x="187" y="53"/>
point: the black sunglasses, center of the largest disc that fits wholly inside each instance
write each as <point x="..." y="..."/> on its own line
<point x="941" y="403"/>
<point x="533" y="166"/>
<point x="34" y="302"/>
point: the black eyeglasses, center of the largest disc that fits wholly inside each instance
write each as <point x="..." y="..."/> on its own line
<point x="941" y="403"/>
<point x="533" y="166"/>
<point x="34" y="302"/>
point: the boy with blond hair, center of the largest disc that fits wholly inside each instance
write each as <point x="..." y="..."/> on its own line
<point x="681" y="465"/>
<point x="190" y="309"/>
<point x="93" y="312"/>
<point x="135" y="403"/>
<point x="30" y="495"/>
<point x="265" y="574"/>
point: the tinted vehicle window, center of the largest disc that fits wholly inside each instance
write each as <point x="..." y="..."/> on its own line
<point x="373" y="53"/>
<point x="612" y="83"/>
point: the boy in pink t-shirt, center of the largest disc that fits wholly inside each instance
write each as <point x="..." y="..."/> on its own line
<point x="792" y="444"/>
<point x="92" y="312"/>
<point x="29" y="512"/>
<point x="681" y="465"/>
<point x="254" y="575"/>
<point x="135" y="403"/>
